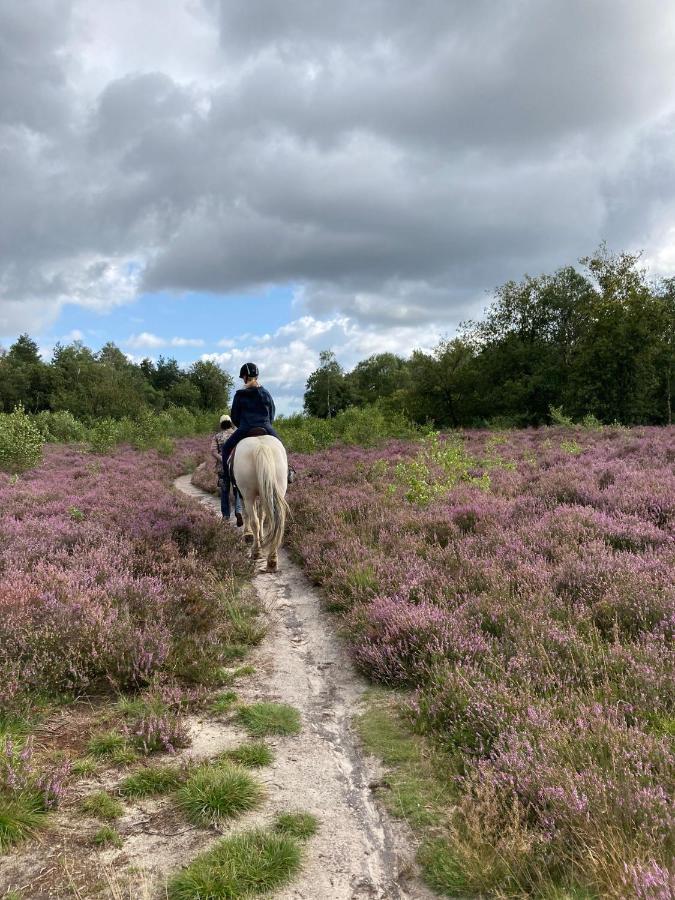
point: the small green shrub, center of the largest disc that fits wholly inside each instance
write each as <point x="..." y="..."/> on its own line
<point x="244" y="865"/>
<point x="213" y="793"/>
<point x="102" y="806"/>
<point x="262" y="719"/>
<point x="21" y="442"/>
<point x="61" y="426"/>
<point x="301" y="825"/>
<point x="559" y="418"/>
<point x="104" y="435"/>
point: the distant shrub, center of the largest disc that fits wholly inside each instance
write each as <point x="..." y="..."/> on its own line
<point x="559" y="418"/>
<point x="20" y="442"/>
<point x="61" y="426"/>
<point x="365" y="426"/>
<point x="104" y="435"/>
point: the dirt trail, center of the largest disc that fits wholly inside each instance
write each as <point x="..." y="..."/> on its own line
<point x="359" y="851"/>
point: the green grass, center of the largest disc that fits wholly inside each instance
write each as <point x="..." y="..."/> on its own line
<point x="418" y="786"/>
<point x="245" y="625"/>
<point x="112" y="746"/>
<point x="227" y="677"/>
<point x="107" y="837"/>
<point x="234" y="651"/>
<point x="301" y="825"/>
<point x="441" y="870"/>
<point x="222" y="703"/>
<point x="240" y="866"/>
<point x="106" y="743"/>
<point x="138" y="707"/>
<point x="152" y="781"/>
<point x="262" y="719"/>
<point x="84" y="766"/>
<point x="20" y="816"/>
<point x="101" y="805"/>
<point x="251" y="756"/>
<point x="213" y="793"/>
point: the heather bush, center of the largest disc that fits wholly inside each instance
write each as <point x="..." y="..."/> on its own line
<point x="522" y="584"/>
<point x="138" y="582"/>
<point x="21" y="442"/>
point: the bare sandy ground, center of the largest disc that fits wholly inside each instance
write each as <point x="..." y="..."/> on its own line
<point x="359" y="852"/>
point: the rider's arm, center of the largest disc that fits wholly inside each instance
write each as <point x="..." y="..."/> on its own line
<point x="235" y="413"/>
<point x="215" y="449"/>
<point x="269" y="402"/>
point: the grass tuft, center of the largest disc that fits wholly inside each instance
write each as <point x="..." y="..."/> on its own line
<point x="251" y="756"/>
<point x="84" y="766"/>
<point x="20" y="816"/>
<point x="243" y="865"/>
<point x="107" y="837"/>
<point x="101" y="805"/>
<point x="261" y="719"/>
<point x="213" y="793"/>
<point x="301" y="825"/>
<point x="152" y="781"/>
<point x="222" y="703"/>
<point x="106" y="743"/>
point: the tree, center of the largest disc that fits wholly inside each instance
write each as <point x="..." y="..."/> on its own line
<point x="377" y="377"/>
<point x="327" y="391"/>
<point x="214" y="385"/>
<point x="438" y="390"/>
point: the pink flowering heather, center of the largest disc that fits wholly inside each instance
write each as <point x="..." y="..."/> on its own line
<point x="107" y="574"/>
<point x="523" y="584"/>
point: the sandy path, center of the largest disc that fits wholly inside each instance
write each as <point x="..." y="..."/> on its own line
<point x="360" y="852"/>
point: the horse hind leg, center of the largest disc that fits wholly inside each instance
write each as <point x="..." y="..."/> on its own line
<point x="272" y="562"/>
<point x="256" y="552"/>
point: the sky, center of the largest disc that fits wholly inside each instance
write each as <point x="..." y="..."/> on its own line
<point x="254" y="180"/>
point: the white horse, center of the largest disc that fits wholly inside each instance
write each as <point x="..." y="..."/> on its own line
<point x="261" y="474"/>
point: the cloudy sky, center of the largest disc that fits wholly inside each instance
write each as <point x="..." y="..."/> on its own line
<point x="235" y="179"/>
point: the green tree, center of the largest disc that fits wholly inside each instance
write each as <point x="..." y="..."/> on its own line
<point x="376" y="378"/>
<point x="328" y="390"/>
<point x="214" y="385"/>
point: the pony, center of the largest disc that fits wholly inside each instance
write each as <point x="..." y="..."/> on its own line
<point x="261" y="473"/>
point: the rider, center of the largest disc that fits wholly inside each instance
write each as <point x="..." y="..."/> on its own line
<point x="224" y="483"/>
<point x="252" y="407"/>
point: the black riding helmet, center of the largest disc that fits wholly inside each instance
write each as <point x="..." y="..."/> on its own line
<point x="249" y="370"/>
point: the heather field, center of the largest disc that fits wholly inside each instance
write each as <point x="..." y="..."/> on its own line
<point x="518" y="588"/>
<point x="124" y="610"/>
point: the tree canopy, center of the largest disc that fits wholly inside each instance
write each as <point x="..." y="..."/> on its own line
<point x="597" y="339"/>
<point x="106" y="383"/>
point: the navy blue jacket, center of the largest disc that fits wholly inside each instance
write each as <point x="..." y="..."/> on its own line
<point x="252" y="407"/>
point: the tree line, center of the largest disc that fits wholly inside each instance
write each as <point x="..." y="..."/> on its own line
<point x="106" y="383"/>
<point x="597" y="340"/>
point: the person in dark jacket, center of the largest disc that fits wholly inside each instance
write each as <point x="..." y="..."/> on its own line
<point x="252" y="407"/>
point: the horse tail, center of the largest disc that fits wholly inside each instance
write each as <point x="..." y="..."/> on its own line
<point x="272" y="501"/>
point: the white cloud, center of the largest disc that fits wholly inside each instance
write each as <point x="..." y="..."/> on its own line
<point x="288" y="356"/>
<point x="154" y="342"/>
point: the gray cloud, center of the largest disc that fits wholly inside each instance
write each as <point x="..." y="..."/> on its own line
<point x="391" y="160"/>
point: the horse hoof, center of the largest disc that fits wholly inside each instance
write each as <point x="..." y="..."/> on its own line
<point x="248" y="538"/>
<point x="256" y="555"/>
<point x="272" y="565"/>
